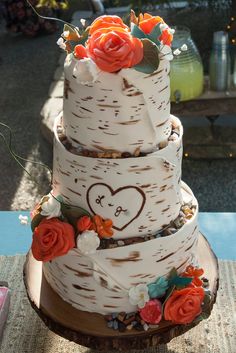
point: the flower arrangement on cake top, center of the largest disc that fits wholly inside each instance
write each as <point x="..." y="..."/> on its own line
<point x="110" y="45"/>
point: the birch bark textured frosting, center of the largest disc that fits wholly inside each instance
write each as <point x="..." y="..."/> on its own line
<point x="128" y="106"/>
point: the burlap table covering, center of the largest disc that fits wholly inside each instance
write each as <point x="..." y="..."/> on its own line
<point x="26" y="333"/>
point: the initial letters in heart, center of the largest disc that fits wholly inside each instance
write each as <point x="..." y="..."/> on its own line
<point x="122" y="205"/>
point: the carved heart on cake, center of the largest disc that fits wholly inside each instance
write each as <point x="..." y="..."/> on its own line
<point x="122" y="205"/>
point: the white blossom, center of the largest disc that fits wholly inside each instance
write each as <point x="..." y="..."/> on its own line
<point x="88" y="242"/>
<point x="51" y="208"/>
<point x="61" y="43"/>
<point x="184" y="47"/>
<point x="23" y="219"/>
<point x="138" y="295"/>
<point x="83" y="22"/>
<point x="66" y="34"/>
<point x="86" y="71"/>
<point x="163" y="26"/>
<point x="176" y="52"/>
<point x="172" y="30"/>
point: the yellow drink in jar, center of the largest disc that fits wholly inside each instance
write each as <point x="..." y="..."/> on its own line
<point x="186" y="70"/>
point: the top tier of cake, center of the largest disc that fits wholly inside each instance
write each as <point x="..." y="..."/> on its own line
<point x="120" y="111"/>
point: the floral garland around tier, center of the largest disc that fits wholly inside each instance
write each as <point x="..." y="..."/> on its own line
<point x="109" y="45"/>
<point x="179" y="299"/>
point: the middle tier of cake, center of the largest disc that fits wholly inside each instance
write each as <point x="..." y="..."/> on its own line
<point x="141" y="195"/>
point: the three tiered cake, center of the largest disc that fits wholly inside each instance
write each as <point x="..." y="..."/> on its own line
<point x="118" y="233"/>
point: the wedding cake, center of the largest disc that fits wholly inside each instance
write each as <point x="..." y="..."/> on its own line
<point x="118" y="232"/>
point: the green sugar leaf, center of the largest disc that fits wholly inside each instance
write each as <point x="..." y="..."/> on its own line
<point x="72" y="213"/>
<point x="155" y="34"/>
<point x="151" y="60"/>
<point x="137" y="32"/>
<point x="180" y="282"/>
<point x="36" y="220"/>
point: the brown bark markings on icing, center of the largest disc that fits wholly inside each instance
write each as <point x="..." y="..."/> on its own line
<point x="74" y="192"/>
<point x="134" y="256"/>
<point x="80" y="117"/>
<point x="154" y="74"/>
<point x="130" y="122"/>
<point x="165" y="257"/>
<point x="76" y="286"/>
<point x="182" y="264"/>
<point x="160" y="201"/>
<point x="162" y="123"/>
<point x="77" y="272"/>
<point x="64" y="173"/>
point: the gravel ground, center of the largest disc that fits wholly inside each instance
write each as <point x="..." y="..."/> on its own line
<point x="26" y="70"/>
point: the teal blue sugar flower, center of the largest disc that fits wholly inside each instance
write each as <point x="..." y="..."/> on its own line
<point x="158" y="288"/>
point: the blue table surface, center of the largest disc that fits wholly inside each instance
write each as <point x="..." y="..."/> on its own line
<point x="219" y="229"/>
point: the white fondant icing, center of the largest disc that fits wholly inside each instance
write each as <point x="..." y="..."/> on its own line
<point x="119" y="111"/>
<point x="101" y="282"/>
<point x="140" y="195"/>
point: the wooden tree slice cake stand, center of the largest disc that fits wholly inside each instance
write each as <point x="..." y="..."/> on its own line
<point x="90" y="329"/>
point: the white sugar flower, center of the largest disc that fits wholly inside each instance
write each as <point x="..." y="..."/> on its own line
<point x="23" y="219"/>
<point x="61" y="43"/>
<point x="166" y="52"/>
<point x="86" y="71"/>
<point x="88" y="242"/>
<point x="184" y="47"/>
<point x="66" y="34"/>
<point x="83" y="22"/>
<point x="176" y="52"/>
<point x="163" y="26"/>
<point x="51" y="208"/>
<point x="138" y="295"/>
<point x="172" y="30"/>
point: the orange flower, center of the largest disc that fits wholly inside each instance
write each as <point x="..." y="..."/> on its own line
<point x="166" y="37"/>
<point x="52" y="238"/>
<point x="102" y="227"/>
<point x="107" y="22"/>
<point x="184" y="305"/>
<point x="148" y="22"/>
<point x="195" y="273"/>
<point x="114" y="48"/>
<point x="80" y="51"/>
<point x="84" y="223"/>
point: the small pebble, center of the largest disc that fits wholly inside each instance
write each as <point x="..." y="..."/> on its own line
<point x="129" y="327"/>
<point x="115" y="325"/>
<point x="110" y="324"/>
<point x="121" y="243"/>
<point x="145" y="326"/>
<point x="121" y="327"/>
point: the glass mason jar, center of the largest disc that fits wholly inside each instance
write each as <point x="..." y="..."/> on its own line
<point x="186" y="70"/>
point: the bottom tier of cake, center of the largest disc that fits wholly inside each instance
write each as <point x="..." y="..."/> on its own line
<point x="101" y="282"/>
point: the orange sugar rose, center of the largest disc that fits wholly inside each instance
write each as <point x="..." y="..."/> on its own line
<point x="52" y="238"/>
<point x="106" y="22"/>
<point x="184" y="305"/>
<point x="114" y="48"/>
<point x="147" y="22"/>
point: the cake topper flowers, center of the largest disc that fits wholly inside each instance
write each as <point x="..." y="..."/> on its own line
<point x="112" y="45"/>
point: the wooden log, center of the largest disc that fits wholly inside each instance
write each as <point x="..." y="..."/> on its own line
<point x="90" y="329"/>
